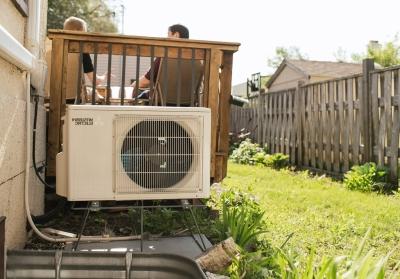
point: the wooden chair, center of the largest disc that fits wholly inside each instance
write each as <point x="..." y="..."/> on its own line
<point x="178" y="83"/>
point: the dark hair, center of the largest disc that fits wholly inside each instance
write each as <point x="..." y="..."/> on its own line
<point x="182" y="30"/>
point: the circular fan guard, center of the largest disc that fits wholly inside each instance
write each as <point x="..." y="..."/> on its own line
<point x="157" y="153"/>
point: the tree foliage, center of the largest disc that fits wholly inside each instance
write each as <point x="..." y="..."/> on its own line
<point x="98" y="16"/>
<point x="385" y="55"/>
<point x="282" y="53"/>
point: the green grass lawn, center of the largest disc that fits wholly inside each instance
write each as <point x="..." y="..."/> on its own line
<point x="320" y="212"/>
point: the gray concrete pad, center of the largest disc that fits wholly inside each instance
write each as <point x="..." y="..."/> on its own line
<point x="180" y="245"/>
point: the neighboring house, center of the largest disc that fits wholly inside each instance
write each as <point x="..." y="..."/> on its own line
<point x="22" y="36"/>
<point x="291" y="71"/>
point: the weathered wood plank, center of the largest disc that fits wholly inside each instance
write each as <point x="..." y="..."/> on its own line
<point x="336" y="133"/>
<point x="141" y="50"/>
<point x="357" y="124"/>
<point x="319" y="129"/>
<point x="56" y="101"/>
<point x="324" y="126"/>
<point x="290" y="130"/>
<point x="382" y="124"/>
<point x="283" y="122"/>
<point x="269" y="121"/>
<point x="368" y="66"/>
<point x="395" y="130"/>
<point x="350" y="118"/>
<point x="273" y="122"/>
<point x="344" y="136"/>
<point x="388" y="111"/>
<point x="375" y="111"/>
<point x="140" y="40"/>
<point x="213" y="90"/>
<point x="299" y="123"/>
<point x="311" y="127"/>
<point x="331" y="123"/>
<point x="224" y="109"/>
<point x="307" y="130"/>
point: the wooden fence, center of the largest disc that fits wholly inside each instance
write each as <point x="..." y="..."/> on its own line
<point x="332" y="125"/>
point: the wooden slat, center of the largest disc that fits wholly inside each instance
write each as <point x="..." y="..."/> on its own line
<point x="324" y="127"/>
<point x="269" y="121"/>
<point x="283" y="122"/>
<point x="132" y="50"/>
<point x="344" y="141"/>
<point x="140" y="40"/>
<point x="279" y="124"/>
<point x="368" y="66"/>
<point x="273" y="122"/>
<point x="382" y="125"/>
<point x="357" y="124"/>
<point x="290" y="131"/>
<point x="56" y="101"/>
<point x="261" y="119"/>
<point x="375" y="85"/>
<point x="213" y="89"/>
<point x="331" y="125"/>
<point x="224" y="108"/>
<point x="350" y="118"/>
<point x="204" y="98"/>
<point x="395" y="130"/>
<point x="307" y="127"/>
<point x="313" y="125"/>
<point x="336" y="134"/>
<point x="388" y="109"/>
<point x="299" y="123"/>
<point x="320" y="129"/>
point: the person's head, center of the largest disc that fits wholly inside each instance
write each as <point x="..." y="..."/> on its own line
<point x="178" y="31"/>
<point x="75" y="24"/>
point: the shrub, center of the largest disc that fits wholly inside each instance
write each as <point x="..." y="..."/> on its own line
<point x="276" y="161"/>
<point x="248" y="153"/>
<point x="366" y="178"/>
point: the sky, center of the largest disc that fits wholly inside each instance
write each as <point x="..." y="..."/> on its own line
<point x="317" y="27"/>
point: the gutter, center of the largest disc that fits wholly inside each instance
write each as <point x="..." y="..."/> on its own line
<point x="15" y="53"/>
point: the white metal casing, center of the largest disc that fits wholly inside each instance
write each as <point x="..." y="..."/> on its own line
<point x="93" y="166"/>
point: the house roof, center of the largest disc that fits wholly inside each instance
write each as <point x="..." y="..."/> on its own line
<point x="317" y="68"/>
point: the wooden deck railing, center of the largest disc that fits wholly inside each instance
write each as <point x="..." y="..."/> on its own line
<point x="216" y="58"/>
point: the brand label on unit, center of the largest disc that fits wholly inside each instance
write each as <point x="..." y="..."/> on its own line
<point x="78" y="121"/>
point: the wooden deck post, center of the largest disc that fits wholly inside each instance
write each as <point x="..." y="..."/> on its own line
<point x="224" y="119"/>
<point x="213" y="96"/>
<point x="57" y="99"/>
<point x="366" y="115"/>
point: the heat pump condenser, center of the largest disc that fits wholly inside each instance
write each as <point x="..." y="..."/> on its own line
<point x="134" y="153"/>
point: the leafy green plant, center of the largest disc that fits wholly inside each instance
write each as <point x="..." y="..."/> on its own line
<point x="248" y="153"/>
<point x="366" y="178"/>
<point x="241" y="218"/>
<point x="358" y="265"/>
<point x="276" y="161"/>
<point x="242" y="224"/>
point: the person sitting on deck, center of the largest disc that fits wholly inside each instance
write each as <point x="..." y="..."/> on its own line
<point x="174" y="31"/>
<point x="74" y="24"/>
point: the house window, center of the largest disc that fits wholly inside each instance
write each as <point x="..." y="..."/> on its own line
<point x="22" y="6"/>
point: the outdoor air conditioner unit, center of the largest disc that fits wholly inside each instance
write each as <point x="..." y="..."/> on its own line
<point x="134" y="153"/>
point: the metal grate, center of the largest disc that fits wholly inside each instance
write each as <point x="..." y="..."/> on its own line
<point x="157" y="154"/>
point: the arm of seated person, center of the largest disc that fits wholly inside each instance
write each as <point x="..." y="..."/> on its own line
<point x="144" y="83"/>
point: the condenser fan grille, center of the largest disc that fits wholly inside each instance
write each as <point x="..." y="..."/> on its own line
<point x="156" y="154"/>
